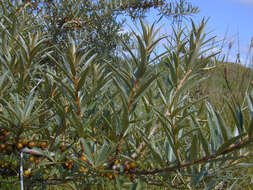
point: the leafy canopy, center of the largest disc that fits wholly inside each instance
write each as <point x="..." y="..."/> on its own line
<point x="132" y="121"/>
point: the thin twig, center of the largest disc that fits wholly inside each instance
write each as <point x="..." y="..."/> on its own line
<point x="142" y="145"/>
<point x="21" y="172"/>
<point x="35" y="152"/>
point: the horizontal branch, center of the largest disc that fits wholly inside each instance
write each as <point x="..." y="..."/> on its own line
<point x="34" y="151"/>
<point x="208" y="158"/>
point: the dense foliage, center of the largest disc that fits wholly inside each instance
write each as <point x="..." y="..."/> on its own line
<point x="86" y="121"/>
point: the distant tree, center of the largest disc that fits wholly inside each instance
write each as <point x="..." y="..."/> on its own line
<point x="95" y="23"/>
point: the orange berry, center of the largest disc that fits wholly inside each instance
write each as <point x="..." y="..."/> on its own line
<point x="43" y="145"/>
<point x="127" y="166"/>
<point x="110" y="176"/>
<point x="2" y="146"/>
<point x="31" y="159"/>
<point x="132" y="165"/>
<point x="69" y="164"/>
<point x="83" y="158"/>
<point x="31" y="144"/>
<point x="6" y="134"/>
<point x="19" y="145"/>
<point x="117" y="162"/>
<point x="27" y="173"/>
<point x="82" y="169"/>
<point x="66" y="164"/>
<point x="37" y="160"/>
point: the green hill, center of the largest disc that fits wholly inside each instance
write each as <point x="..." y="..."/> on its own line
<point x="239" y="79"/>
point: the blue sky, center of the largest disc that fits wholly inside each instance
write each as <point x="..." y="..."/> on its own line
<point x="227" y="18"/>
<point x="234" y="16"/>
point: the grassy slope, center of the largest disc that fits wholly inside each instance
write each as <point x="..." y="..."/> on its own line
<point x="239" y="79"/>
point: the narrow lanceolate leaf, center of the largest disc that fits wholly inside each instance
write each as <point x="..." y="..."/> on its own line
<point x="236" y="116"/>
<point x="202" y="139"/>
<point x="123" y="91"/>
<point x="204" y="143"/>
<point x="2" y="79"/>
<point x="72" y="50"/>
<point x="130" y="51"/>
<point x="211" y="185"/>
<point x="168" y="61"/>
<point x="189" y="84"/>
<point x="204" y="171"/>
<point x="63" y="85"/>
<point x="103" y="154"/>
<point x="215" y="140"/>
<point x="82" y="79"/>
<point x="166" y="125"/>
<point x="233" y="185"/>
<point x="125" y="77"/>
<point x="250" y="129"/>
<point x="250" y="104"/>
<point x="145" y="86"/>
<point x="9" y="121"/>
<point x="162" y="95"/>
<point x="154" y="150"/>
<point x="87" y="150"/>
<point x="85" y="69"/>
<point x="11" y="110"/>
<point x="194" y="148"/>
<point x="143" y="63"/>
<point x="240" y="119"/>
<point x="186" y="106"/>
<point x="69" y="62"/>
<point x="226" y="134"/>
<point x="29" y="105"/>
<point x="170" y="156"/>
<point x="61" y="68"/>
<point x="125" y="117"/>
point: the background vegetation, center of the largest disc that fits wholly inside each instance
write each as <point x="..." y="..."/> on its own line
<point x="91" y="108"/>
